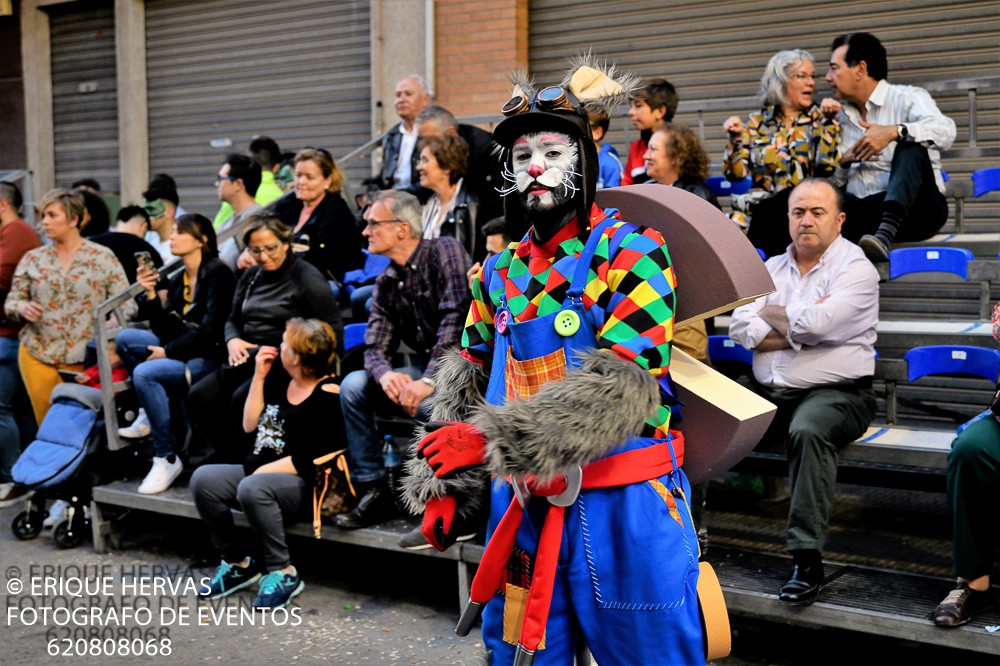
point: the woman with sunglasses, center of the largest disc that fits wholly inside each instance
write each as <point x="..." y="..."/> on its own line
<point x="279" y="287"/>
<point x="790" y="139"/>
<point x="324" y="231"/>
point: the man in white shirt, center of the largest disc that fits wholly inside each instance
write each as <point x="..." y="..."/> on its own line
<point x="891" y="136"/>
<point x="399" y="159"/>
<point x="814" y="356"/>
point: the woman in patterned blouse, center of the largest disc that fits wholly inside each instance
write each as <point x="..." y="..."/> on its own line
<point x="55" y="290"/>
<point x="790" y="139"/>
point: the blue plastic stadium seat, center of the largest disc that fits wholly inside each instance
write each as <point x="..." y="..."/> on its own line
<point x="374" y="265"/>
<point x="953" y="359"/>
<point x="953" y="260"/>
<point x="723" y="188"/>
<point x="985" y="180"/>
<point x="722" y="348"/>
<point x="354" y="335"/>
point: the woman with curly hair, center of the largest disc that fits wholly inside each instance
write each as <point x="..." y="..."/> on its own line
<point x="676" y="157"/>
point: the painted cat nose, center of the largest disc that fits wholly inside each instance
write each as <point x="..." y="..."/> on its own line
<point x="535" y="170"/>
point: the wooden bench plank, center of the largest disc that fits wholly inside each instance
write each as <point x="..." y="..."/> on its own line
<point x="177" y="501"/>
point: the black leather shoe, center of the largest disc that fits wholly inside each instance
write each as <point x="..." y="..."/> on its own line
<point x="804" y="585"/>
<point x="960" y="605"/>
<point x="874" y="248"/>
<point x="375" y="506"/>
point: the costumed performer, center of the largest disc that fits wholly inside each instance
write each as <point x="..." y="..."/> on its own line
<point x="590" y="536"/>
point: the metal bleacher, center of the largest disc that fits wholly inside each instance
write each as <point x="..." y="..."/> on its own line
<point x="917" y="309"/>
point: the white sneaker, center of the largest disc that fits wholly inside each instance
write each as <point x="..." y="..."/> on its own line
<point x="160" y="476"/>
<point x="57" y="513"/>
<point x="138" y="429"/>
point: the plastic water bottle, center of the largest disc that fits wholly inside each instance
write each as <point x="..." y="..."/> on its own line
<point x="393" y="463"/>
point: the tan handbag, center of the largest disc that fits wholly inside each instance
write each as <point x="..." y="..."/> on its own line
<point x="333" y="493"/>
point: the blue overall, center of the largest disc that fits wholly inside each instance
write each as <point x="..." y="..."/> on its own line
<point x="627" y="570"/>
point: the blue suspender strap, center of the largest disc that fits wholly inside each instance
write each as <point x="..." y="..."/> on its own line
<point x="579" y="282"/>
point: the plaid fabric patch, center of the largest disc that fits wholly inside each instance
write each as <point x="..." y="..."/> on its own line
<point x="517" y="572"/>
<point x="668" y="499"/>
<point x="525" y="378"/>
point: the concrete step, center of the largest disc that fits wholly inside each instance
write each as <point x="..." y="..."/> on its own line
<point x="854" y="598"/>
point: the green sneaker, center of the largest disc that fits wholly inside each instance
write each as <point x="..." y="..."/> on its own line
<point x="277" y="589"/>
<point x="229" y="578"/>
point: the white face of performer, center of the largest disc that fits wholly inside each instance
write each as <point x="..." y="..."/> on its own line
<point x="546" y="168"/>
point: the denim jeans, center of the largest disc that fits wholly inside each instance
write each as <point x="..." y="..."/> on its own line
<point x="16" y="422"/>
<point x="131" y="343"/>
<point x="159" y="382"/>
<point x="361" y="398"/>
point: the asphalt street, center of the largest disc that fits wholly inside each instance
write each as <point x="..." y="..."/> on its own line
<point x="358" y="607"/>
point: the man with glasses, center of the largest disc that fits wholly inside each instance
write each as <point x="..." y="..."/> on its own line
<point x="890" y="164"/>
<point x="420" y="300"/>
<point x="237" y="183"/>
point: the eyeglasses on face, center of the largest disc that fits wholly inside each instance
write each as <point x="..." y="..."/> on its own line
<point x="269" y="249"/>
<point x="374" y="224"/>
<point x="221" y="179"/>
<point x="802" y="76"/>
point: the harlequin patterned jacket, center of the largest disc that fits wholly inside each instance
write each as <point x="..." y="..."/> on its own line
<point x="776" y="157"/>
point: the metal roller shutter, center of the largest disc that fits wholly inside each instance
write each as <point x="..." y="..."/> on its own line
<point x="713" y="50"/>
<point x="221" y="71"/>
<point x="85" y="96"/>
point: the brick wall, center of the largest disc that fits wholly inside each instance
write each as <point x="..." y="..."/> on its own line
<point x="477" y="44"/>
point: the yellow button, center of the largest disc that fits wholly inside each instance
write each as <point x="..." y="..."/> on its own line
<point x="567" y="323"/>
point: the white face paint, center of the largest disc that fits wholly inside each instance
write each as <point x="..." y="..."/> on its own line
<point x="545" y="166"/>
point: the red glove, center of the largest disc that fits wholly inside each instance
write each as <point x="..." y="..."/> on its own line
<point x="439" y="514"/>
<point x="450" y="447"/>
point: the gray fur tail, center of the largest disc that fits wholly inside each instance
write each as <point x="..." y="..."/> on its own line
<point x="598" y="406"/>
<point x="460" y="386"/>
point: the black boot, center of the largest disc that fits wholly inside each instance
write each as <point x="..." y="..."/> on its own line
<point x="806" y="580"/>
<point x="375" y="506"/>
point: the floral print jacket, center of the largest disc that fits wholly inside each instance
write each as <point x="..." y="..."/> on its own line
<point x="67" y="298"/>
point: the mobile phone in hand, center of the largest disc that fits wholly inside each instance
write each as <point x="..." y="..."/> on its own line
<point x="144" y="260"/>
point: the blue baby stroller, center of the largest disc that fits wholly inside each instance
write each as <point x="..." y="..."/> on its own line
<point x="54" y="465"/>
